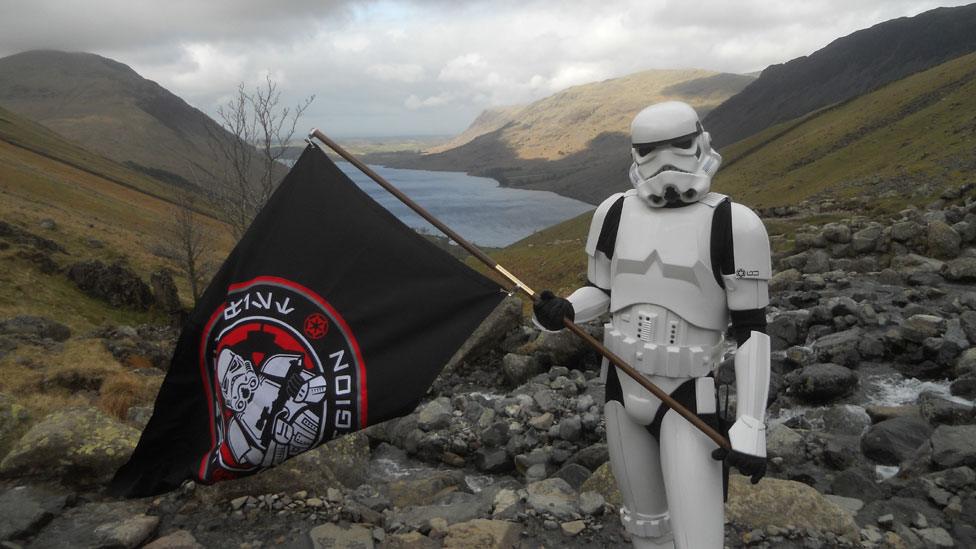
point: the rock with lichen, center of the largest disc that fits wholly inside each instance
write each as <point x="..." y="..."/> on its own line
<point x="79" y="446"/>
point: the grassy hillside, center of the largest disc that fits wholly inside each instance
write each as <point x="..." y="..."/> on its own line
<point x="108" y="108"/>
<point x="899" y="145"/>
<point x="568" y="121"/>
<point x="907" y="139"/>
<point x="102" y="210"/>
<point x="488" y="121"/>
<point x="574" y="142"/>
<point x="847" y="67"/>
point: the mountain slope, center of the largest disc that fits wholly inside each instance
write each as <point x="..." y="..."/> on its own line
<point x="908" y="139"/>
<point x="100" y="209"/>
<point x="488" y="121"/>
<point x="108" y="108"/>
<point x="574" y="142"/>
<point x="845" y="68"/>
<point x="896" y="147"/>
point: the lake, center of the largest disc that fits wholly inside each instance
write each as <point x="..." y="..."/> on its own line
<point x="476" y="207"/>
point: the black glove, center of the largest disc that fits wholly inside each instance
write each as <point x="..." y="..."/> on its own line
<point x="550" y="310"/>
<point x="749" y="465"/>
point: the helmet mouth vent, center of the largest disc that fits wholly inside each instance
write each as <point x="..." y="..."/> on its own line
<point x="669" y="168"/>
<point x="671" y="194"/>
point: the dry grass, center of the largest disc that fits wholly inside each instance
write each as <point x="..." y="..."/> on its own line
<point x="123" y="390"/>
<point x="81" y="373"/>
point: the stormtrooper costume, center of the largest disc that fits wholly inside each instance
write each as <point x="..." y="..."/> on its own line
<point x="673" y="264"/>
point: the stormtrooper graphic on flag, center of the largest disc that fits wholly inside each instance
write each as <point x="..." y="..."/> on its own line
<point x="284" y="370"/>
<point x="286" y="412"/>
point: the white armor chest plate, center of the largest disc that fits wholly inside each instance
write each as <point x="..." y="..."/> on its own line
<point x="662" y="257"/>
<point x="669" y="313"/>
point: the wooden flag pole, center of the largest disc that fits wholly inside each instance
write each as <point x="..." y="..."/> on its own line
<point x="664" y="397"/>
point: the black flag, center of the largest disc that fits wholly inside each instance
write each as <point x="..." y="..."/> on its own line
<point x="328" y="316"/>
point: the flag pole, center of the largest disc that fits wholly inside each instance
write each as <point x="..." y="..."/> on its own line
<point x="663" y="396"/>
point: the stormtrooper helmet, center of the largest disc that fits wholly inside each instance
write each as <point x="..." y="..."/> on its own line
<point x="238" y="380"/>
<point x="673" y="158"/>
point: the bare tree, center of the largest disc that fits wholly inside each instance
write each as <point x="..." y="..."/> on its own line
<point x="186" y="241"/>
<point x="259" y="129"/>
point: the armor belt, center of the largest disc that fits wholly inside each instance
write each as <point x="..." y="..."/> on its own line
<point x="661" y="359"/>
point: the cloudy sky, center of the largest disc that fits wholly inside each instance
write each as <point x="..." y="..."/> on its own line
<point x="424" y="67"/>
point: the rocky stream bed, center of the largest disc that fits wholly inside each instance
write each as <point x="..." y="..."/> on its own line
<point x="872" y="428"/>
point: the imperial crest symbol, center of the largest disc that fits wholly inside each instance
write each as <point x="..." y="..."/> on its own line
<point x="285" y="374"/>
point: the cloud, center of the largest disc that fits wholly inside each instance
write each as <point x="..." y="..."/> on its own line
<point x="414" y="103"/>
<point x="405" y="72"/>
<point x="388" y="67"/>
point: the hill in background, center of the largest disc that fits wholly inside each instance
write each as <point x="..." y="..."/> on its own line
<point x="108" y="108"/>
<point x="574" y="142"/>
<point x="908" y="140"/>
<point x="89" y="207"/>
<point x="899" y="146"/>
<point x="845" y="68"/>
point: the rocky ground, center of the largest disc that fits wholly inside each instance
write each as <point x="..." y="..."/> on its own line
<point x="872" y="430"/>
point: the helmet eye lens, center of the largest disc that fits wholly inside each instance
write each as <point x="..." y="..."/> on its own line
<point x="685" y="142"/>
<point x="645" y="149"/>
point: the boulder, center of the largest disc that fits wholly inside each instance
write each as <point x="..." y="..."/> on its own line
<point x="79" y="446"/>
<point x="837" y="233"/>
<point x="561" y="348"/>
<point x="904" y="231"/>
<point x="784" y="280"/>
<point x="603" y="482"/>
<point x="489" y="534"/>
<point x="954" y="445"/>
<point x="788" y="328"/>
<point x="783" y="442"/>
<point x="914" y="263"/>
<point x="25" y="509"/>
<point x="520" y="368"/>
<point x="122" y="524"/>
<point x="857" y="482"/>
<point x="817" y="261"/>
<point x="34" y="328"/>
<point x="410" y="492"/>
<point x="116" y="284"/>
<point x="574" y="474"/>
<point x="943" y="411"/>
<point x="823" y="382"/>
<point x="506" y="317"/>
<point x="892" y="441"/>
<point x="962" y="269"/>
<point x="334" y="536"/>
<point x="842" y="420"/>
<point x="347" y="457"/>
<point x="941" y="240"/>
<point x="785" y="503"/>
<point x="434" y="415"/>
<point x="917" y="328"/>
<point x="310" y="471"/>
<point x="867" y="239"/>
<point x="840" y="347"/>
<point x="554" y="496"/>
<point x="453" y="507"/>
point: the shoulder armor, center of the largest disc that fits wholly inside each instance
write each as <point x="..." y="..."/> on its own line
<point x="599" y="217"/>
<point x="713" y="199"/>
<point x="750" y="245"/>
